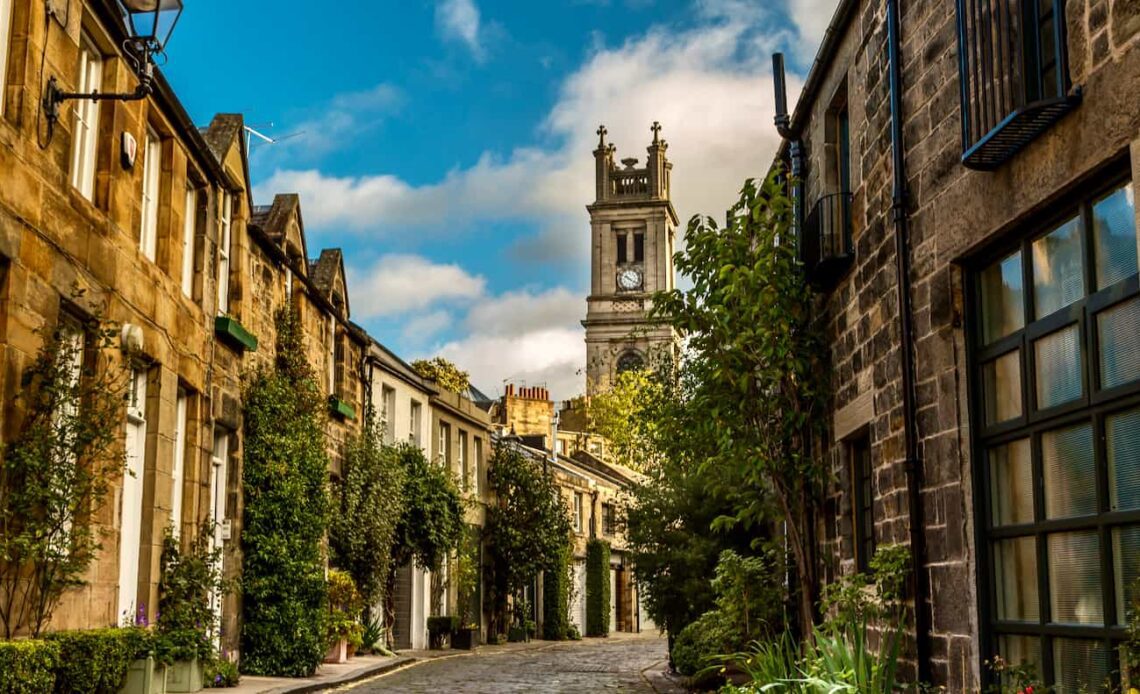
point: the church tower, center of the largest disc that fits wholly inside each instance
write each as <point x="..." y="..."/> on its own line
<point x="632" y="227"/>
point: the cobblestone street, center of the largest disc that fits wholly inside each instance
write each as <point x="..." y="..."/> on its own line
<point x="593" y="665"/>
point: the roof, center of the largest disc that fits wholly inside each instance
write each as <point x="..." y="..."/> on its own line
<point x="481" y="399"/>
<point x="324" y="271"/>
<point x="392" y="363"/>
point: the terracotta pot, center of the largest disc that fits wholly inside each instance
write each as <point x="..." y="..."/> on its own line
<point x="338" y="652"/>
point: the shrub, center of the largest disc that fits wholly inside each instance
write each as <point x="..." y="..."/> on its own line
<point x="220" y="672"/>
<point x="185" y="621"/>
<point x="284" y="482"/>
<point x="28" y="667"/>
<point x="749" y="595"/>
<point x="597" y="588"/>
<point x="95" y="661"/>
<point x="344" y="610"/>
<point x="572" y="632"/>
<point x="698" y="644"/>
<point x="442" y="624"/>
<point x="556" y="598"/>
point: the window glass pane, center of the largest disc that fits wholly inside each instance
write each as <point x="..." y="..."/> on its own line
<point x="1119" y="334"/>
<point x="1003" y="387"/>
<point x="1069" y="466"/>
<point x="1058" y="367"/>
<point x="1114" y="236"/>
<point x="1122" y="444"/>
<point x="1020" y="650"/>
<point x="1126" y="563"/>
<point x="1003" y="310"/>
<point x="1074" y="578"/>
<point x="1058" y="274"/>
<point x="1015" y="578"/>
<point x="1011" y="483"/>
<point x="1079" y="665"/>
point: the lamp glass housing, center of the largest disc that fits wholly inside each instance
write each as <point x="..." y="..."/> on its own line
<point x="152" y="21"/>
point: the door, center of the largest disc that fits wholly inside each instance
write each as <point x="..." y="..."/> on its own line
<point x="130" y="525"/>
<point x="219" y="470"/>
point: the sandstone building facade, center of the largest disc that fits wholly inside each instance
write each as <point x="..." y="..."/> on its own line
<point x="969" y="174"/>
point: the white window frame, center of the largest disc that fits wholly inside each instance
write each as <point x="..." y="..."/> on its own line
<point x="415" y="412"/>
<point x="225" y="239"/>
<point x="5" y="37"/>
<point x="130" y="520"/>
<point x="388" y="412"/>
<point x="85" y="134"/>
<point x="462" y="460"/>
<point x="219" y="471"/>
<point x="152" y="172"/>
<point x="478" y="467"/>
<point x="178" y="465"/>
<point x="578" y="503"/>
<point x="444" y="442"/>
<point x="189" y="227"/>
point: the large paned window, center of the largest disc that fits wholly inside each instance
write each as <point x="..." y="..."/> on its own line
<point x="578" y="512"/>
<point x="464" y="472"/>
<point x="863" y="498"/>
<point x="152" y="172"/>
<point x="189" y="238"/>
<point x="1057" y="356"/>
<point x="86" y="132"/>
<point x="388" y="413"/>
<point x="225" y="239"/>
<point x="5" y="34"/>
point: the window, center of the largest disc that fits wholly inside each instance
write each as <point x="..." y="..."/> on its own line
<point x="826" y="241"/>
<point x="443" y="453"/>
<point x="862" y="502"/>
<point x="5" y="31"/>
<point x="639" y="248"/>
<point x="152" y="170"/>
<point x="609" y="525"/>
<point x="340" y="360"/>
<point x="388" y="413"/>
<point x="86" y="134"/>
<point x="189" y="237"/>
<point x="1014" y="75"/>
<point x="225" y="238"/>
<point x="219" y="480"/>
<point x="130" y="520"/>
<point x="416" y="414"/>
<point x="464" y="473"/>
<point x="843" y="149"/>
<point x="1057" y="378"/>
<point x="630" y="361"/>
<point x="622" y="254"/>
<point x="577" y="512"/>
<point x="478" y="466"/>
<point x="331" y="354"/>
<point x="178" y="466"/>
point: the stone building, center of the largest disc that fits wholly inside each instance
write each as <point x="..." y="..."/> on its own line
<point x="633" y="224"/>
<point x="152" y="218"/>
<point x="968" y="174"/>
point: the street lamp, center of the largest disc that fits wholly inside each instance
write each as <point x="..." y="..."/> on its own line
<point x="150" y="23"/>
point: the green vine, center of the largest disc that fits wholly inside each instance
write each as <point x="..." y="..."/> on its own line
<point x="284" y="482"/>
<point x="597" y="588"/>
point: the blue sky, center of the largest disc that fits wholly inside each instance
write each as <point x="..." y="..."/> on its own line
<point x="446" y="145"/>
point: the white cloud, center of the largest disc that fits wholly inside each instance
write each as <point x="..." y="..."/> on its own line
<point x="397" y="284"/>
<point x="424" y="327"/>
<point x="811" y="17"/>
<point x="458" y="20"/>
<point x="517" y="312"/>
<point x="552" y="356"/>
<point x="709" y="85"/>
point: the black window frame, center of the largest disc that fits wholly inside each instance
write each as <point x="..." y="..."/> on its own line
<point x="638" y="247"/>
<point x="862" y="500"/>
<point x="622" y="249"/>
<point x="1093" y="407"/>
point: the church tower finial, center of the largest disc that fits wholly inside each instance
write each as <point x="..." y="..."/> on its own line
<point x="656" y="129"/>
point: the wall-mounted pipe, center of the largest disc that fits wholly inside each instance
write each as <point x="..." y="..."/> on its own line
<point x="795" y="146"/>
<point x="920" y="580"/>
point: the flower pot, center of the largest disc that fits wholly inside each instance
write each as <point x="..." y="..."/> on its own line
<point x="338" y="652"/>
<point x="351" y="650"/>
<point x="184" y="676"/>
<point x="517" y="635"/>
<point x="437" y="640"/>
<point x="465" y="639"/>
<point x="145" y="676"/>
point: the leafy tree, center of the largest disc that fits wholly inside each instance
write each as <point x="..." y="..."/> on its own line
<point x="753" y="368"/>
<point x="614" y="413"/>
<point x="446" y="374"/>
<point x="368" y="503"/>
<point x="527" y="528"/>
<point x="56" y="473"/>
<point x="431" y="523"/>
<point x="284" y="482"/>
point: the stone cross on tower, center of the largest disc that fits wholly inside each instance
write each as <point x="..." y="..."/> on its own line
<point x="633" y="225"/>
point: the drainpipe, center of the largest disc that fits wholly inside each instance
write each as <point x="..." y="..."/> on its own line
<point x="919" y="578"/>
<point x="795" y="145"/>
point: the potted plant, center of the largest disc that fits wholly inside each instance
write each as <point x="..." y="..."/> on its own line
<point x="147" y="672"/>
<point x="440" y="629"/>
<point x="186" y="625"/>
<point x="520" y="630"/>
<point x="465" y="573"/>
<point x="345" y="632"/>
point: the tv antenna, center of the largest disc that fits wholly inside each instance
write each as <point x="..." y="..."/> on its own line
<point x="251" y="133"/>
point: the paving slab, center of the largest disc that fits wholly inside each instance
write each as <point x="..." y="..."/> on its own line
<point x="328" y="676"/>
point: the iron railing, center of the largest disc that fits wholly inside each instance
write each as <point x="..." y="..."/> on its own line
<point x="827" y="246"/>
<point x="1014" y="71"/>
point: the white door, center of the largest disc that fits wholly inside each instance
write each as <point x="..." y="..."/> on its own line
<point x="613" y="600"/>
<point x="218" y="473"/>
<point x="130" y="526"/>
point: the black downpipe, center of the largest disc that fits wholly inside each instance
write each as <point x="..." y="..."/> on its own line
<point x="795" y="147"/>
<point x="919" y="578"/>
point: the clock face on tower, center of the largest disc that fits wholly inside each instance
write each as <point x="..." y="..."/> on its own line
<point x="629" y="278"/>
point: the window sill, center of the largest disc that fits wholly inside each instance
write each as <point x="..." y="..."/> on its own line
<point x="341" y="409"/>
<point x="1016" y="131"/>
<point x="234" y="333"/>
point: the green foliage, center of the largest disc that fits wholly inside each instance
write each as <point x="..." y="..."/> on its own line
<point x="446" y="374"/>
<point x="700" y="642"/>
<point x="345" y="606"/>
<point x="465" y="575"/>
<point x="1016" y="679"/>
<point x="186" y="624"/>
<point x="220" y="672"/>
<point x="614" y="413"/>
<point x="284" y="482"/>
<point x="1130" y="660"/>
<point x="372" y="638"/>
<point x="556" y="598"/>
<point x="749" y="594"/>
<point x="57" y="471"/>
<point x="752" y="371"/>
<point x="432" y="519"/>
<point x="28" y="667"/>
<point x="368" y="501"/>
<point x="442" y="624"/>
<point x="95" y="661"/>
<point x="597" y="588"/>
<point x="527" y="526"/>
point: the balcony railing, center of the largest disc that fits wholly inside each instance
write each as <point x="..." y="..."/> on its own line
<point x="1012" y="61"/>
<point x="630" y="183"/>
<point x="827" y="247"/>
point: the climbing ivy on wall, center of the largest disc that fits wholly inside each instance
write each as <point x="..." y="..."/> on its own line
<point x="556" y="597"/>
<point x="597" y="588"/>
<point x="284" y="481"/>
